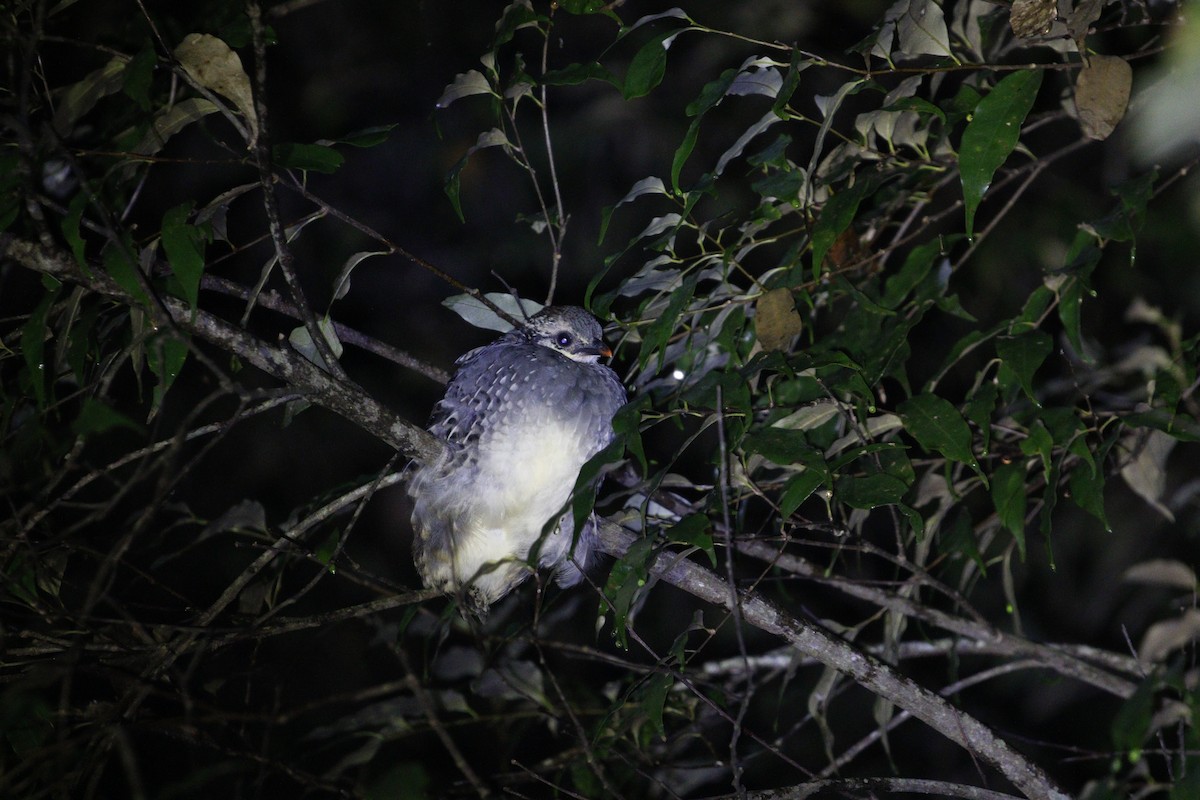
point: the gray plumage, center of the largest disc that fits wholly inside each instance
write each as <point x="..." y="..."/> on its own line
<point x="521" y="416"/>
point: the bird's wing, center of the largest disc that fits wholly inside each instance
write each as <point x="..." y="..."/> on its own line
<point x="459" y="416"/>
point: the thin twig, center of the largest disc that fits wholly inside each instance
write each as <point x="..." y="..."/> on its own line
<point x="266" y="177"/>
<point x="430" y="712"/>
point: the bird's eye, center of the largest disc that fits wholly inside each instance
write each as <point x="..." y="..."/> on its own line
<point x="564" y="340"/>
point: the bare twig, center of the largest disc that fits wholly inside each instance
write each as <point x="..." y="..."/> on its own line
<point x="262" y="156"/>
<point x="427" y="707"/>
<point x="280" y="362"/>
<point x="345" y="333"/>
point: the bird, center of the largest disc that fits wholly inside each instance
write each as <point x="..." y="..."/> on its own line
<point x="520" y="417"/>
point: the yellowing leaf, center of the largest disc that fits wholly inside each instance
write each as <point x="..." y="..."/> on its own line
<point x="1102" y="94"/>
<point x="776" y="320"/>
<point x="211" y="63"/>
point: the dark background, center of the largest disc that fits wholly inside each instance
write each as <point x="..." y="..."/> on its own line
<point x="345" y="66"/>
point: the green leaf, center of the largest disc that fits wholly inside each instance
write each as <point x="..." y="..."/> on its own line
<point x="694" y="530"/>
<point x="654" y="698"/>
<point x="791" y="81"/>
<point x="70" y="226"/>
<point x="1008" y="496"/>
<point x="583" y="498"/>
<point x="81" y="97"/>
<point x="992" y="134"/>
<point x="782" y="446"/>
<point x="870" y="491"/>
<point x="937" y="425"/>
<point x="1131" y="724"/>
<point x="959" y="537"/>
<point x="167" y="355"/>
<point x="659" y="331"/>
<point x="368" y="137"/>
<point x="26" y="718"/>
<point x="712" y="93"/>
<point x="122" y="270"/>
<point x="33" y="345"/>
<point x="465" y="84"/>
<point x="310" y="157"/>
<point x="626" y="579"/>
<point x="799" y="488"/>
<point x="574" y="74"/>
<point x="921" y="29"/>
<point x="979" y="410"/>
<point x="139" y="76"/>
<point x="341" y="285"/>
<point x="1087" y="492"/>
<point x="1040" y="443"/>
<point x="516" y="16"/>
<point x="184" y="246"/>
<point x="683" y="152"/>
<point x="915" y="521"/>
<point x="647" y="68"/>
<point x="172" y="121"/>
<point x="836" y="216"/>
<point x="584" y="6"/>
<point x="1070" y="301"/>
<point x="97" y="417"/>
<point x="627" y="426"/>
<point x="914" y="271"/>
<point x="1033" y="310"/>
<point x="301" y="339"/>
<point x="1023" y="355"/>
<point x="490" y="138"/>
<point x="1183" y="427"/>
<point x="917" y="104"/>
<point x="651" y="185"/>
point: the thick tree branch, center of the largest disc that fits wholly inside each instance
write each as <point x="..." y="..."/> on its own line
<point x="280" y="362"/>
<point x="868" y="672"/>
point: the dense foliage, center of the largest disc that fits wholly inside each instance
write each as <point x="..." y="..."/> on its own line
<point x="903" y="501"/>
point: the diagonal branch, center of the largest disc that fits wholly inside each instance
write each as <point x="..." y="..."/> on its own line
<point x="281" y="362"/>
<point x="867" y="671"/>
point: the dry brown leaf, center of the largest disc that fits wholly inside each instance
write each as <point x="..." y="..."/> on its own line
<point x="776" y="320"/>
<point x="1163" y="638"/>
<point x="847" y="249"/>
<point x="210" y="63"/>
<point x="1101" y="94"/>
<point x="1032" y="18"/>
<point x="1162" y="572"/>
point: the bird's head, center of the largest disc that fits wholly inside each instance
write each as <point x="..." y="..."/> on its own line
<point x="569" y="330"/>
